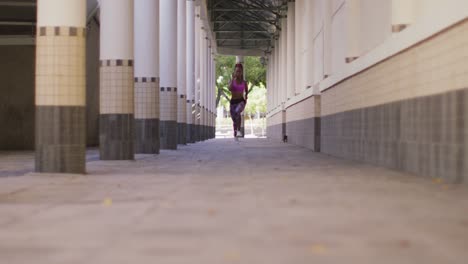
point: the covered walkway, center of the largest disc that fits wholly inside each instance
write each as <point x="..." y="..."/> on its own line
<point x="350" y="84"/>
<point x="220" y="201"/>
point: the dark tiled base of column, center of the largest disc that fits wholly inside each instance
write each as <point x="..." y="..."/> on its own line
<point x="208" y="129"/>
<point x="209" y="132"/>
<point x="425" y="136"/>
<point x="305" y="133"/>
<point x="116" y="136"/>
<point x="195" y="136"/>
<point x="168" y="132"/>
<point x="147" y="136"/>
<point x="202" y="132"/>
<point x="197" y="130"/>
<point x="189" y="136"/>
<point x="182" y="133"/>
<point x="60" y="139"/>
<point x="242" y="131"/>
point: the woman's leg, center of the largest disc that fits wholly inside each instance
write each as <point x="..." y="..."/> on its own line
<point x="240" y="108"/>
<point x="232" y="109"/>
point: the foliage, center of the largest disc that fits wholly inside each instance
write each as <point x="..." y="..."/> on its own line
<point x="255" y="74"/>
<point x="255" y="71"/>
<point x="256" y="104"/>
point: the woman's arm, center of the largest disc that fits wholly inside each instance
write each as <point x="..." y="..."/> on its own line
<point x="230" y="83"/>
<point x="246" y="90"/>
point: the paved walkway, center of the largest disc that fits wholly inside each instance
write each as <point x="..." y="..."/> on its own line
<point x="220" y="201"/>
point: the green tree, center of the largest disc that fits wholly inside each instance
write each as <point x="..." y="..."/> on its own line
<point x="224" y="69"/>
<point x="255" y="71"/>
<point x="255" y="74"/>
<point x="256" y="103"/>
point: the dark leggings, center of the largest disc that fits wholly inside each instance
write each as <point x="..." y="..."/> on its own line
<point x="236" y="108"/>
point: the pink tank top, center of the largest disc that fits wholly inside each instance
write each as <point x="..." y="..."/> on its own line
<point x="238" y="88"/>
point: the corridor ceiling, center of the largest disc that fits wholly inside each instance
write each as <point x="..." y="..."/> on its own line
<point x="18" y="17"/>
<point x="245" y="27"/>
<point x="240" y="27"/>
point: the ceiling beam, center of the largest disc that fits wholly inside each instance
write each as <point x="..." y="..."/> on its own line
<point x="17" y="23"/>
<point x="240" y="9"/>
<point x="243" y="47"/>
<point x="18" y="4"/>
<point x="256" y="39"/>
<point x="245" y="21"/>
<point x="245" y="30"/>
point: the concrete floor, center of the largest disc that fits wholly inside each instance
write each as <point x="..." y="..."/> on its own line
<point x="220" y="201"/>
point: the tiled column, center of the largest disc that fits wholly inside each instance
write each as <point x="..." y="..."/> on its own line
<point x="284" y="59"/>
<point x="277" y="74"/>
<point x="196" y="102"/>
<point x="181" y="73"/>
<point x="268" y="84"/>
<point x="60" y="86"/>
<point x="202" y="81"/>
<point x="116" y="133"/>
<point x="190" y="69"/>
<point x="290" y="56"/>
<point x="208" y="96"/>
<point x="212" y="94"/>
<point x="213" y="100"/>
<point x="280" y="64"/>
<point x="204" y="88"/>
<point x="272" y="80"/>
<point x="168" y="73"/>
<point x="147" y="76"/>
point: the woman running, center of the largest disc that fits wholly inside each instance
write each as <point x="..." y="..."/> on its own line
<point x="238" y="87"/>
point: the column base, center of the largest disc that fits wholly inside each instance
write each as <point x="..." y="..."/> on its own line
<point x="60" y="139"/>
<point x="168" y="134"/>
<point x="147" y="136"/>
<point x="188" y="131"/>
<point x="182" y="133"/>
<point x="196" y="132"/>
<point x="116" y="137"/>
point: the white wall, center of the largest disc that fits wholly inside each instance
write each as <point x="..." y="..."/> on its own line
<point x="339" y="37"/>
<point x="375" y="23"/>
<point x="335" y="30"/>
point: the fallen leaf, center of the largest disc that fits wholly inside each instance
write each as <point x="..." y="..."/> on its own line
<point x="404" y="243"/>
<point x="212" y="211"/>
<point x="232" y="255"/>
<point x="107" y="202"/>
<point x="318" y="249"/>
<point x="292" y="201"/>
<point x="437" y="180"/>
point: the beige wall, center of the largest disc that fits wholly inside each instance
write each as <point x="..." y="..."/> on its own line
<point x="339" y="32"/>
<point x="275" y="126"/>
<point x="275" y="120"/>
<point x="432" y="67"/>
<point x="306" y="109"/>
